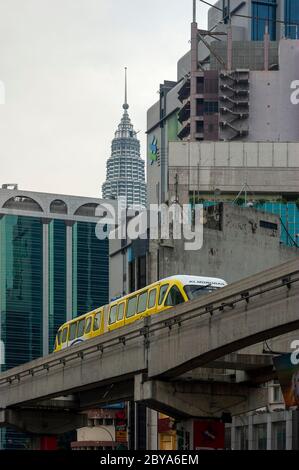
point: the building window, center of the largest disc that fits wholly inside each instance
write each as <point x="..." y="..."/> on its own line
<point x="277" y="394"/>
<point x="242" y="438"/>
<point x="22" y="203"/>
<point x="58" y="207"/>
<point x="263" y="12"/>
<point x="211" y="107"/>
<point x="260" y="436"/>
<point x="141" y="280"/>
<point x="291" y="19"/>
<point x="279" y="436"/>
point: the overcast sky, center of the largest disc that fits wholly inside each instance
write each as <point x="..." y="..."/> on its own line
<point x="62" y="65"/>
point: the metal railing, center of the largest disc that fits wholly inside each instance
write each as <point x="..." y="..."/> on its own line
<point x="194" y="309"/>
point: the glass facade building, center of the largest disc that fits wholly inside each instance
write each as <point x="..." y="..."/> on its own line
<point x="291" y="19"/>
<point x="263" y="13"/>
<point x="89" y="282"/>
<point x="52" y="268"/>
<point x="267" y="12"/>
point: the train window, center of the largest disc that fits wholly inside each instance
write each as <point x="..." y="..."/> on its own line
<point x="121" y="311"/>
<point x="64" y="334"/>
<point x="97" y="321"/>
<point x="196" y="291"/>
<point x="163" y="291"/>
<point x="112" y="315"/>
<point x="132" y="305"/>
<point x="142" y="300"/>
<point x="152" y="298"/>
<point x="58" y="338"/>
<point x="88" y="325"/>
<point x="174" y="297"/>
<point x="81" y="328"/>
<point x="73" y="329"/>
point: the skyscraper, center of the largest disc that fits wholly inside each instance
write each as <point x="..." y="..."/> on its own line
<point x="52" y="268"/>
<point x="125" y="168"/>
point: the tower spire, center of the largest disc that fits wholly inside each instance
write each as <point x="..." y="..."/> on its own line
<point x="125" y="105"/>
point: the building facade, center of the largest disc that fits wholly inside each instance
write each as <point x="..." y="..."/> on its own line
<point x="235" y="89"/>
<point x="125" y="168"/>
<point x="251" y="17"/>
<point x="225" y="130"/>
<point x="52" y="268"/>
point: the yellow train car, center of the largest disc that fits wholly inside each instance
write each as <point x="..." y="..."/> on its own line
<point x="150" y="300"/>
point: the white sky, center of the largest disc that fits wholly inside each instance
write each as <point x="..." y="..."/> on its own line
<point x="62" y="65"/>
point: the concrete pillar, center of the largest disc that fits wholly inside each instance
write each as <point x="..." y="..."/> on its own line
<point x="194" y="68"/>
<point x="45" y="286"/>
<point x="233" y="435"/>
<point x="229" y="49"/>
<point x="250" y="433"/>
<point x="266" y="49"/>
<point x="69" y="270"/>
<point x="289" y="430"/>
<point x="152" y="429"/>
<point x="269" y="431"/>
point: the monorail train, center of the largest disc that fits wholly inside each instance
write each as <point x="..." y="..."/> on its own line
<point x="150" y="300"/>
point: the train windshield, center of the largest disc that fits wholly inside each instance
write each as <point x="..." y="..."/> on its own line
<point x="193" y="292"/>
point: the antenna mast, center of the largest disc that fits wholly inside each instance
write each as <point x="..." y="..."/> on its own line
<point x="126" y="106"/>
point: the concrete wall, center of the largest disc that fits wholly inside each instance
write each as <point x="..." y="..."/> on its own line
<point x="156" y="129"/>
<point x="215" y="16"/>
<point x="96" y="433"/>
<point x="202" y="167"/>
<point x="240" y="249"/>
<point x="272" y="116"/>
<point x="246" y="54"/>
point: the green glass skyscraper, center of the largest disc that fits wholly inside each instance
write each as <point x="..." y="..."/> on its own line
<point x="52" y="268"/>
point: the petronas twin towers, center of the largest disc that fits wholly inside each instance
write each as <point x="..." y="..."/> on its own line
<point x="125" y="168"/>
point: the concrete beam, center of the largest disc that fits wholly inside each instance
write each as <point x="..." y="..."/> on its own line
<point x="181" y="399"/>
<point x="206" y="338"/>
<point x="118" y="363"/>
<point x="192" y="335"/>
<point x="236" y="361"/>
<point x="226" y="369"/>
<point x="41" y="421"/>
<point x="114" y="393"/>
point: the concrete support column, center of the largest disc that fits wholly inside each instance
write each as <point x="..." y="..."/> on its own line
<point x="69" y="269"/>
<point x="266" y="49"/>
<point x="152" y="429"/>
<point x="289" y="430"/>
<point x="229" y="49"/>
<point x="194" y="68"/>
<point x="269" y="431"/>
<point x="45" y="286"/>
<point x="250" y="433"/>
<point x="233" y="435"/>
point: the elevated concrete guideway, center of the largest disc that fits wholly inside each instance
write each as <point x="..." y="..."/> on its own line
<point x="146" y="360"/>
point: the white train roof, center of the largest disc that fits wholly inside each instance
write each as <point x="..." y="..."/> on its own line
<point x="198" y="280"/>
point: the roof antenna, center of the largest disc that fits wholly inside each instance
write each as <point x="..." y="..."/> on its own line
<point x="125" y="105"/>
<point x="194" y="11"/>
